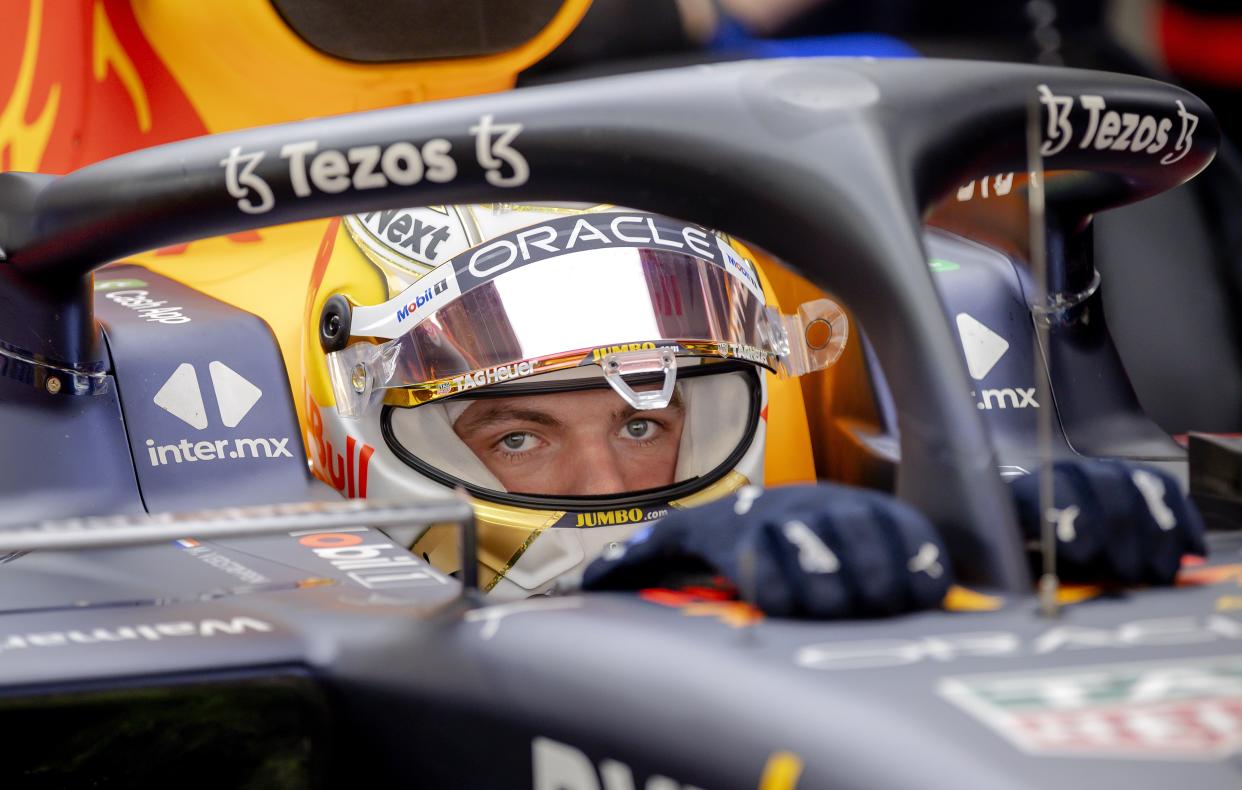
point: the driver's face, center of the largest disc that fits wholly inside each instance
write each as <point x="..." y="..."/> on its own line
<point x="573" y="443"/>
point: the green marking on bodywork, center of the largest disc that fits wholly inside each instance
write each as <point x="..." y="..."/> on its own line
<point x="941" y="265"/>
<point x="116" y="285"/>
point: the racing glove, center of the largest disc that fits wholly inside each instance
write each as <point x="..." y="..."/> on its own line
<point x="821" y="551"/>
<point x="1114" y="521"/>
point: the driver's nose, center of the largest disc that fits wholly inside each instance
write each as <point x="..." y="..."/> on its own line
<point x="594" y="468"/>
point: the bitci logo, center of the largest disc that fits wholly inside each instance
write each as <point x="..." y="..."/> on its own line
<point x="182" y="397"/>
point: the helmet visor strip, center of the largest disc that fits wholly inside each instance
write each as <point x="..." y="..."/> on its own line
<point x="567" y="309"/>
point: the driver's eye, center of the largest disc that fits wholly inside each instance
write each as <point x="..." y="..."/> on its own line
<point x="515" y="441"/>
<point x="638" y="429"/>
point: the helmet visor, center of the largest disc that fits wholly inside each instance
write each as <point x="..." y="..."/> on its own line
<point x="567" y="310"/>
<point x="574" y="437"/>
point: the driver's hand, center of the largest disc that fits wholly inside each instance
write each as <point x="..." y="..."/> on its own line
<point x="822" y="551"/>
<point x="1115" y="521"/>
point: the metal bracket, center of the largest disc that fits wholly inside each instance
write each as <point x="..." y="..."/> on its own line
<point x="623" y="363"/>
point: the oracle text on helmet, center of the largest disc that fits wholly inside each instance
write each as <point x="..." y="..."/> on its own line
<point x="544" y="240"/>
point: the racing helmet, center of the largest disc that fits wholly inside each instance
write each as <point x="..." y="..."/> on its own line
<point x="577" y="370"/>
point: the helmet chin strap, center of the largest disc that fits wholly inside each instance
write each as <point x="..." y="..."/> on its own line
<point x="623" y="363"/>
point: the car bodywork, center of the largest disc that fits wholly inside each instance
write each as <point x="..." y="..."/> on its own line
<point x="406" y="678"/>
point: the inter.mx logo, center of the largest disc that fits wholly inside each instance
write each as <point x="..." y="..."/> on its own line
<point x="182" y="397"/>
<point x="984" y="348"/>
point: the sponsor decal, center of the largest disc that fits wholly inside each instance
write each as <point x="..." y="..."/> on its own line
<point x="875" y="653"/>
<point x="313" y="169"/>
<point x="939" y="265"/>
<point x="559" y="766"/>
<point x="1150" y="710"/>
<point x="602" y="518"/>
<point x="747" y="353"/>
<point x="150" y="632"/>
<point x="153" y="311"/>
<point x="580" y="233"/>
<point x="740" y="268"/>
<point x="1108" y="129"/>
<point x="332" y="171"/>
<point x="404" y="231"/>
<point x="431" y="292"/>
<point x="611" y="518"/>
<point x="493" y="148"/>
<point x="982" y="346"/>
<point x="598" y="354"/>
<point x="1151" y="487"/>
<point x="556" y="237"/>
<point x="814" y="556"/>
<point x="1006" y="398"/>
<point x="346" y="473"/>
<point x="492" y="375"/>
<point x="186" y="451"/>
<point x="182" y="397"/>
<point x="221" y="562"/>
<point x="254" y="195"/>
<point x="114" y="285"/>
<point x="422" y="299"/>
<point x="1001" y="185"/>
<point x="367" y="560"/>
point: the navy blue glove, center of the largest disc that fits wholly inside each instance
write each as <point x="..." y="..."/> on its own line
<point x="1115" y="521"/>
<point x="821" y="551"/>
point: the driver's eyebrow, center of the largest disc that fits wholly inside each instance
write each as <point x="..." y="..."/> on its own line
<point x="497" y="414"/>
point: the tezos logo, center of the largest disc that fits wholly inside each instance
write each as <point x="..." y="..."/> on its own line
<point x="333" y="171"/>
<point x="374" y="166"/>
<point x="1108" y="129"/>
<point x="181" y="397"/>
